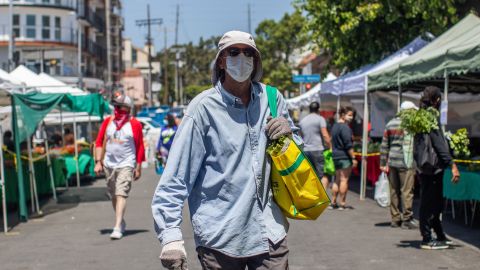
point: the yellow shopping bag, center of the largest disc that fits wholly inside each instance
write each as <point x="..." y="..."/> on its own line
<point x="296" y="187"/>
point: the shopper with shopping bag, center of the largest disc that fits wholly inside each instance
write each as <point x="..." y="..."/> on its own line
<point x="396" y="160"/>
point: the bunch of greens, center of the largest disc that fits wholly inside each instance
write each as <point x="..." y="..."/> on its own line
<point x="275" y="147"/>
<point x="459" y="143"/>
<point x="419" y="121"/>
<point x="373" y="147"/>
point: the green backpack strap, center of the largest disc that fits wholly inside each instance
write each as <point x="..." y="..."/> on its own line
<point x="272" y="100"/>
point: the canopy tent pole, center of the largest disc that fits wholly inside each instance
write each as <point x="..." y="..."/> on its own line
<point x="2" y="184"/>
<point x="76" y="148"/>
<point x="338" y="107"/>
<point x="63" y="129"/>
<point x="399" y="102"/>
<point x="363" y="177"/>
<point x="49" y="164"/>
<point x="89" y="127"/>
<point x="445" y="98"/>
<point x="33" y="180"/>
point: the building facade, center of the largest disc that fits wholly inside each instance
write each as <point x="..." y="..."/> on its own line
<point x="46" y="35"/>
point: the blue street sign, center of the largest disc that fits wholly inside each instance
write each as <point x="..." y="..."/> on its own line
<point x="306" y="78"/>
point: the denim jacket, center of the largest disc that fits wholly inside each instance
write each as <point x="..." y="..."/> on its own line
<point x="218" y="161"/>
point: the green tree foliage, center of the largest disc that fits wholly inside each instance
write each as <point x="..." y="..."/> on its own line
<point x="276" y="42"/>
<point x="359" y="32"/>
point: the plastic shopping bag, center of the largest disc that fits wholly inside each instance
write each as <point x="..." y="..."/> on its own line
<point x="329" y="166"/>
<point x="382" y="191"/>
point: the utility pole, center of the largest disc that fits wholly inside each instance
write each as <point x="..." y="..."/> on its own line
<point x="148" y="22"/>
<point x="165" y="68"/>
<point x="249" y="20"/>
<point x="109" y="46"/>
<point x="177" y="94"/>
<point x="79" y="56"/>
<point x="10" y="40"/>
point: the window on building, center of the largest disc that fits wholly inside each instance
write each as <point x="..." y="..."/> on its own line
<point x="16" y="25"/>
<point x="58" y="29"/>
<point x="134" y="55"/>
<point x="45" y="27"/>
<point x="31" y="26"/>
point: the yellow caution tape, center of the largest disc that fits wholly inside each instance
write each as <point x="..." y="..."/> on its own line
<point x="466" y="161"/>
<point x="358" y="154"/>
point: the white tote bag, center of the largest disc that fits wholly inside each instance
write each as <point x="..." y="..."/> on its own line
<point x="382" y="191"/>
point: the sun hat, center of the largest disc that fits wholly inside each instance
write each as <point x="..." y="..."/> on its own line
<point x="237" y="37"/>
<point x="408" y="105"/>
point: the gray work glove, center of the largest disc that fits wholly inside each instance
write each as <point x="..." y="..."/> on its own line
<point x="277" y="127"/>
<point x="174" y="256"/>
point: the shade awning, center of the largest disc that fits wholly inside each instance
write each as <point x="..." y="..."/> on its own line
<point x="455" y="52"/>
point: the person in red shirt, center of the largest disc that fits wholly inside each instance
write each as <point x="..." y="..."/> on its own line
<point x="119" y="152"/>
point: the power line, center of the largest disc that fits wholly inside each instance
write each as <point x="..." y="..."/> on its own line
<point x="148" y="22"/>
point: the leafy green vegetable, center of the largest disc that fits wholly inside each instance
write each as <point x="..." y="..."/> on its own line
<point x="419" y="121"/>
<point x="459" y="143"/>
<point x="275" y="147"/>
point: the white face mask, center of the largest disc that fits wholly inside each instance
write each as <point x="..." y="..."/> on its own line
<point x="348" y="119"/>
<point x="240" y="67"/>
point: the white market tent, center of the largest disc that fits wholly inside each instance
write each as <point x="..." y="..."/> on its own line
<point x="43" y="83"/>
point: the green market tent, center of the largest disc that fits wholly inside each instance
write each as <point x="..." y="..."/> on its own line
<point x="455" y="53"/>
<point x="29" y="109"/>
<point x="451" y="60"/>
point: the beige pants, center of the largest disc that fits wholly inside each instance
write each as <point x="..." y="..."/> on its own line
<point x="401" y="193"/>
<point x="119" y="181"/>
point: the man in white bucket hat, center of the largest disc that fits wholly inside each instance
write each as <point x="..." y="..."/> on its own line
<point x="396" y="160"/>
<point x="218" y="162"/>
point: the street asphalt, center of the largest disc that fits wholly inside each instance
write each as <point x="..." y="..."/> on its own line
<point x="74" y="234"/>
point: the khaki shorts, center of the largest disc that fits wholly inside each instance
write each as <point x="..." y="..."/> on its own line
<point x="119" y="181"/>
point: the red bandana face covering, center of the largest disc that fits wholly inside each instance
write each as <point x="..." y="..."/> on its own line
<point x="121" y="117"/>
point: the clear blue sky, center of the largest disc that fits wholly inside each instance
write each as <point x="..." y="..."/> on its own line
<point x="198" y="18"/>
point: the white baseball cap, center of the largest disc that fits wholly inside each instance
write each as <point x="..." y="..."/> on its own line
<point x="406" y="105"/>
<point x="237" y="37"/>
<point x="120" y="99"/>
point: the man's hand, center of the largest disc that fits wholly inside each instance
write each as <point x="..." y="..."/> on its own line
<point x="385" y="169"/>
<point x="174" y="256"/>
<point x="277" y="127"/>
<point x="98" y="167"/>
<point x="138" y="173"/>
<point x="455" y="174"/>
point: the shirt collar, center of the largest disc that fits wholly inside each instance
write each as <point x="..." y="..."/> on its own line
<point x="234" y="101"/>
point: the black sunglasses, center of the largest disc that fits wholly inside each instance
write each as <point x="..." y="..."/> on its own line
<point x="233" y="51"/>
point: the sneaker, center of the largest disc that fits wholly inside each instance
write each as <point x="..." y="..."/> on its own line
<point x="116" y="234"/>
<point x="333" y="206"/>
<point x="123" y="226"/>
<point x="395" y="224"/>
<point x="342" y="207"/>
<point x="434" y="245"/>
<point x="445" y="240"/>
<point x="409" y="225"/>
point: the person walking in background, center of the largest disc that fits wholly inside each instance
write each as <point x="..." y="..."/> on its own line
<point x="120" y="152"/>
<point x="166" y="138"/>
<point x="396" y="160"/>
<point x="431" y="179"/>
<point x="315" y="137"/>
<point x="342" y="152"/>
<point x="219" y="162"/>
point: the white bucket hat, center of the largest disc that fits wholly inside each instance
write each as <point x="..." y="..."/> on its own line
<point x="237" y="37"/>
<point x="408" y="105"/>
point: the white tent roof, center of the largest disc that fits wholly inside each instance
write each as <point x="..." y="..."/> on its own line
<point x="43" y="83"/>
<point x="310" y="96"/>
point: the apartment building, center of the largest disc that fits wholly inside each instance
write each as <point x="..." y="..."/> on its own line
<point x="46" y="35"/>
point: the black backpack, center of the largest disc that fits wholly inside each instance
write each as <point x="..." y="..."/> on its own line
<point x="424" y="154"/>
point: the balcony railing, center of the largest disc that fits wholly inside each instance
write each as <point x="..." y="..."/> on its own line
<point x="69" y="4"/>
<point x="66" y="35"/>
<point x="92" y="17"/>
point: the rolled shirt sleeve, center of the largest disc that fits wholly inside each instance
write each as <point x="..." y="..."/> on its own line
<point x="183" y="165"/>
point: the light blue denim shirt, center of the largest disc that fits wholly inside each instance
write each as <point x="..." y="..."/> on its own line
<point x="218" y="161"/>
